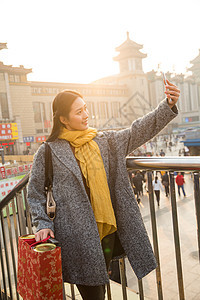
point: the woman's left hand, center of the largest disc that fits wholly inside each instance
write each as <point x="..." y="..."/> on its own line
<point x="172" y="93"/>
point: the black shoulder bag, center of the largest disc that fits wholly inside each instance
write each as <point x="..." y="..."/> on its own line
<point x="48" y="184"/>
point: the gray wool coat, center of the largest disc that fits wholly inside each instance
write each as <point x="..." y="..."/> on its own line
<point x="75" y="226"/>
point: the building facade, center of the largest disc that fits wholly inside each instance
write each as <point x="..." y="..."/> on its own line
<point x="113" y="102"/>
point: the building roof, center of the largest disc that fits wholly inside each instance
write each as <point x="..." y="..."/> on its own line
<point x="196" y="60"/>
<point x="3" y="46"/>
<point x="128" y="44"/>
<point x="14" y="70"/>
<point x="129" y="49"/>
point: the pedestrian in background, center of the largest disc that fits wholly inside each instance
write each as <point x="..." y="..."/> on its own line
<point x="162" y="153"/>
<point x="157" y="187"/>
<point x="165" y="182"/>
<point x="180" y="183"/>
<point x="139" y="179"/>
<point x="135" y="185"/>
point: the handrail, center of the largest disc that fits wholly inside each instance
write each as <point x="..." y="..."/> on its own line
<point x="175" y="163"/>
<point x="169" y="163"/>
<point x="21" y="184"/>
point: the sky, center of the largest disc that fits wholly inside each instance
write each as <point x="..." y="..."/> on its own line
<point x="75" y="41"/>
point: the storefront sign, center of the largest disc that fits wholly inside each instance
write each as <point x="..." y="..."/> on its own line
<point x="28" y="139"/>
<point x="40" y="139"/>
<point x="8" y="131"/>
<point x="3" y="172"/>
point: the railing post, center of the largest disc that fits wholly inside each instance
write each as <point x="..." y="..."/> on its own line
<point x="123" y="277"/>
<point x="155" y="236"/>
<point x="28" y="215"/>
<point x="109" y="291"/>
<point x="197" y="206"/>
<point x="3" y="294"/>
<point x="21" y="216"/>
<point x="12" y="249"/>
<point x="72" y="291"/>
<point x="141" y="291"/>
<point x="176" y="237"/>
<point x="6" y="256"/>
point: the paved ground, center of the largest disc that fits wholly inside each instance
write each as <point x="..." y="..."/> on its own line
<point x="188" y="240"/>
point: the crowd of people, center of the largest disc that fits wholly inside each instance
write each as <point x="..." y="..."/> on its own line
<point x="160" y="183"/>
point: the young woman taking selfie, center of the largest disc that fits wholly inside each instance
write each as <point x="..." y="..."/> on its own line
<point x="97" y="216"/>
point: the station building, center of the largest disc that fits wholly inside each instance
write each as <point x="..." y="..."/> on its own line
<point x="113" y="102"/>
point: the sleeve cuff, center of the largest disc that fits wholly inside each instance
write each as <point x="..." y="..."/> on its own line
<point x="174" y="108"/>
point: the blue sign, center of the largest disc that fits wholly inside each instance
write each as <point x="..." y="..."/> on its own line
<point x="28" y="139"/>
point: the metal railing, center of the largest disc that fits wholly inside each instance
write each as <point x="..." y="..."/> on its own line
<point x="16" y="220"/>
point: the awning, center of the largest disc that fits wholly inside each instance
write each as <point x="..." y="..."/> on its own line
<point x="193" y="142"/>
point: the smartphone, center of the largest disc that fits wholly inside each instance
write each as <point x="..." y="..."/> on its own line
<point x="165" y="82"/>
<point x="164" y="78"/>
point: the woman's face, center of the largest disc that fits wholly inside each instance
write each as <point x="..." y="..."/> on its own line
<point x="78" y="116"/>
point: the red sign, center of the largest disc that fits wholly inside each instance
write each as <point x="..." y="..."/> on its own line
<point x="21" y="169"/>
<point x="47" y="124"/>
<point x="26" y="167"/>
<point x="40" y="139"/>
<point x="3" y="172"/>
<point x="9" y="172"/>
<point x="14" y="170"/>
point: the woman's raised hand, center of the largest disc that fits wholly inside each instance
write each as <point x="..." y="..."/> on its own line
<point x="172" y="93"/>
<point x="43" y="234"/>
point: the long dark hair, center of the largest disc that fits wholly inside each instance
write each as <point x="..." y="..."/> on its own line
<point x="61" y="107"/>
<point x="156" y="179"/>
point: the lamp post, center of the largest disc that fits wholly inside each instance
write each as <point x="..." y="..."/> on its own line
<point x="2" y="156"/>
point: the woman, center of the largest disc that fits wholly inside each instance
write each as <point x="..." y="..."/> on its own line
<point x="96" y="217"/>
<point x="157" y="186"/>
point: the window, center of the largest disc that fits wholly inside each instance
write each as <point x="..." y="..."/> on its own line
<point x="115" y="109"/>
<point x="11" y="78"/>
<point x="138" y="64"/>
<point x="17" y="78"/>
<point x="4" y="106"/>
<point x="41" y="130"/>
<point x="14" y="78"/>
<point x="91" y="109"/>
<point x="51" y="112"/>
<point x="103" y="110"/>
<point x="39" y="112"/>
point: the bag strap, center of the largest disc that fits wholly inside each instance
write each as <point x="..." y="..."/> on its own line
<point x="48" y="184"/>
<point x="40" y="242"/>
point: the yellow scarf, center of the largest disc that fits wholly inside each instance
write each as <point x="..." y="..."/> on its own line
<point x="92" y="167"/>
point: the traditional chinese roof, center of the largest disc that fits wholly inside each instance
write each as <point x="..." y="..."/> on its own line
<point x="196" y="67"/>
<point x="129" y="49"/>
<point x="3" y="46"/>
<point x="14" y="70"/>
<point x="196" y="60"/>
